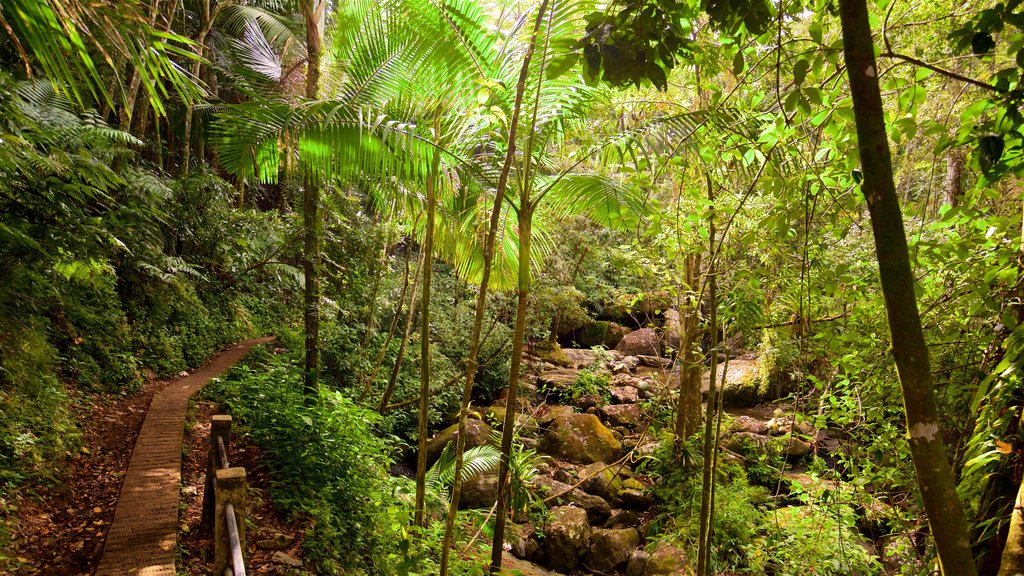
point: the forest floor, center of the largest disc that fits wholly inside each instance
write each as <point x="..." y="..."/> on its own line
<point x="61" y="527"/>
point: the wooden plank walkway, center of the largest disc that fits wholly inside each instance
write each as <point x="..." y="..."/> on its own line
<point x="144" y="532"/>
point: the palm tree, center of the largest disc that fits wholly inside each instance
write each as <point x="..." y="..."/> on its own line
<point x="75" y="44"/>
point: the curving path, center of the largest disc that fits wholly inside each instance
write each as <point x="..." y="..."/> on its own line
<point x="143" y="535"/>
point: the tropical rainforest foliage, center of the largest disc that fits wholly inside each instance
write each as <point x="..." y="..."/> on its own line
<point x="427" y="201"/>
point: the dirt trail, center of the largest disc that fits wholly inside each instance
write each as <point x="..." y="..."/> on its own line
<point x="142" y="538"/>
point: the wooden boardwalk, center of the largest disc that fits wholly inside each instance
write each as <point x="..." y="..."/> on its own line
<point x="144" y="532"/>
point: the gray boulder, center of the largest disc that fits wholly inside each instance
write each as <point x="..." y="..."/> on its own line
<point x="610" y="549"/>
<point x="642" y="342"/>
<point x="566" y="537"/>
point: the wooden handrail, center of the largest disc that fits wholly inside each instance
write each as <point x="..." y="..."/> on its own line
<point x="236" y="546"/>
<point x="224" y="502"/>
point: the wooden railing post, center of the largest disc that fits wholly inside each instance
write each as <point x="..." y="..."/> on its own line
<point x="230" y="489"/>
<point x="219" y="428"/>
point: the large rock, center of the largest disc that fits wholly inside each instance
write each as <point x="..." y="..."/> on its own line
<point x="549" y="352"/>
<point x="624" y="394"/>
<point x="580" y="438"/>
<point x="610" y="549"/>
<point x="479" y="492"/>
<point x="654" y="361"/>
<point x="580" y="358"/>
<point x="749" y="424"/>
<point x="634" y="495"/>
<point x="512" y="565"/>
<point x="548" y="413"/>
<point x="637" y="562"/>
<point x="566" y="537"/>
<point x="666" y="560"/>
<point x="557" y="381"/>
<point x="477" y="434"/>
<point x="599" y="333"/>
<point x="601" y="480"/>
<point x="520" y="539"/>
<point x="628" y="415"/>
<point x="742" y="384"/>
<point x="623" y="519"/>
<point x="642" y="342"/>
<point x="598" y="510"/>
<point x="526" y="425"/>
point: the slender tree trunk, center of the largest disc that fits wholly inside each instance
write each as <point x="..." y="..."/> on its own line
<point x="391" y="331"/>
<point x="313" y="12"/>
<point x="704" y="538"/>
<point x="688" y="404"/>
<point x="953" y="184"/>
<point x="481" y="298"/>
<point x="428" y="267"/>
<point x="511" y="408"/>
<point x="927" y="448"/>
<point x="1013" y="554"/>
<point x="124" y="119"/>
<point x="200" y="40"/>
<point x="383" y="406"/>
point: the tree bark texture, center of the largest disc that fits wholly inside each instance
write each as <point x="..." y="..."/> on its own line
<point x="689" y="403"/>
<point x="927" y="448"/>
<point x="313" y="13"/>
<point x="1013" y="553"/>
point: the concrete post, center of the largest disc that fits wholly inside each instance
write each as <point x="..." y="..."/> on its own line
<point x="231" y="486"/>
<point x="219" y="428"/>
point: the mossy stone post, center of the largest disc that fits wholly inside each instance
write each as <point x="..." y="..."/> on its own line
<point x="231" y="486"/>
<point x="220" y="427"/>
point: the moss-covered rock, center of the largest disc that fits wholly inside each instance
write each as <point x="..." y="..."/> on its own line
<point x="610" y="549"/>
<point x="580" y="438"/>
<point x="477" y="434"/>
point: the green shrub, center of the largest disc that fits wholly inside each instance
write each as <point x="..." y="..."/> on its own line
<point x="811" y="539"/>
<point x="326" y="463"/>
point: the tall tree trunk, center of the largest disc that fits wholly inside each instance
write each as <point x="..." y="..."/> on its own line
<point x="927" y="448"/>
<point x="204" y="29"/>
<point x="481" y="298"/>
<point x="313" y="13"/>
<point x="511" y="408"/>
<point x="688" y="404"/>
<point x="124" y="119"/>
<point x="428" y="267"/>
<point x="704" y="537"/>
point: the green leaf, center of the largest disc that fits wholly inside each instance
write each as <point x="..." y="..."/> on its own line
<point x="800" y="71"/>
<point x="990" y="150"/>
<point x="737" y="63"/>
<point x="982" y="43"/>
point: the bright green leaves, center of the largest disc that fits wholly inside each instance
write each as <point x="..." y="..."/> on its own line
<point x="62" y="37"/>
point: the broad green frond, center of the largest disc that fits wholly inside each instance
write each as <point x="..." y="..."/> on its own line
<point x="600" y="198"/>
<point x="61" y="37"/>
